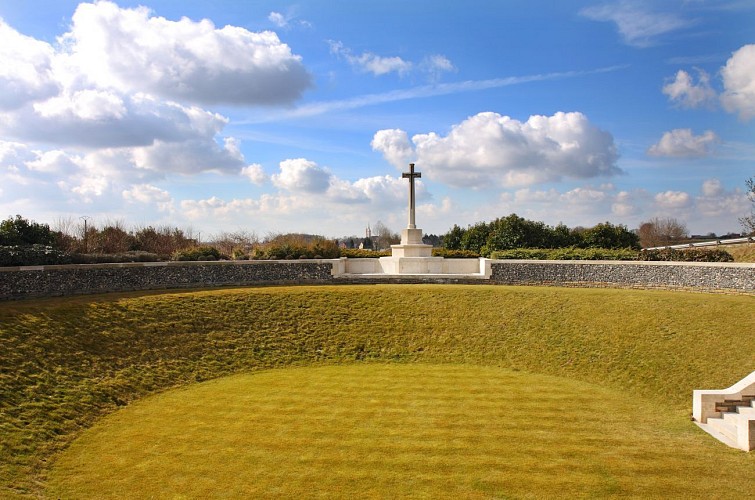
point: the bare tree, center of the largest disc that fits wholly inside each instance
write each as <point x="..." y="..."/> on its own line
<point x="238" y="243"/>
<point x="385" y="237"/>
<point x="662" y="232"/>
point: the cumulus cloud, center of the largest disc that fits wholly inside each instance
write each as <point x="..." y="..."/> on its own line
<point x="712" y="187"/>
<point x="739" y="83"/>
<point x="361" y="200"/>
<point x="637" y="25"/>
<point x="254" y="173"/>
<point x="148" y="194"/>
<point x="671" y="200"/>
<point x="681" y="143"/>
<point x="125" y="86"/>
<point x="685" y="92"/>
<point x="191" y="156"/>
<point x="104" y="119"/>
<point x="491" y="149"/>
<point x="395" y="146"/>
<point x="302" y="175"/>
<point x="132" y="51"/>
<point x="716" y="201"/>
<point x="25" y="69"/>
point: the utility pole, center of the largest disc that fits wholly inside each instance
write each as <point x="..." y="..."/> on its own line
<point x="85" y="218"/>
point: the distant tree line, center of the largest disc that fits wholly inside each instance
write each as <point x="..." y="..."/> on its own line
<point x="512" y="232"/>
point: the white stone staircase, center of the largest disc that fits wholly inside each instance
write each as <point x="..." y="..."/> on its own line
<point x="728" y="414"/>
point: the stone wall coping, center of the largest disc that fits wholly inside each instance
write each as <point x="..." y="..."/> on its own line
<point x="178" y="263"/>
<point x="744" y="265"/>
<point x="116" y="265"/>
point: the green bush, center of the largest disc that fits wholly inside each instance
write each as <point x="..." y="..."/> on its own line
<point x="358" y="253"/>
<point x="687" y="255"/>
<point x="132" y="256"/>
<point x="566" y="254"/>
<point x="20" y="231"/>
<point x="513" y="232"/>
<point x="455" y="254"/>
<point x="31" y="255"/>
<point x="197" y="253"/>
<point x="521" y="253"/>
<point x="296" y="246"/>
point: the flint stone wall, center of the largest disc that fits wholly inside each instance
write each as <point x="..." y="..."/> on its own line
<point x="739" y="278"/>
<point x="46" y="281"/>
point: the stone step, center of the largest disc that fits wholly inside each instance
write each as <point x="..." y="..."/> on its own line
<point x="723" y="427"/>
<point x="732" y="417"/>
<point x="732" y="404"/>
<point x="746" y="410"/>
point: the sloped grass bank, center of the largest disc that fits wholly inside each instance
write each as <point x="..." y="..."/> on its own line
<point x="66" y="362"/>
<point x="376" y="430"/>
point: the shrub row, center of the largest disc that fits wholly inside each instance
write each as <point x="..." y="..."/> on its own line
<point x="32" y="255"/>
<point x="566" y="254"/>
<point x="133" y="256"/>
<point x="197" y="253"/>
<point x="687" y="255"/>
<point x="358" y="253"/>
<point x="455" y="254"/>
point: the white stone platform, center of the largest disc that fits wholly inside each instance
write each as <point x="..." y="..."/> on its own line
<point x="407" y="266"/>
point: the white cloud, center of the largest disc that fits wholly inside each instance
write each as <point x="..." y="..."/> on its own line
<point x="54" y="162"/>
<point x="638" y="26"/>
<point x="712" y="188"/>
<point x="25" y="69"/>
<point x="148" y="194"/>
<point x="286" y="21"/>
<point x="623" y="205"/>
<point x="132" y="51"/>
<point x="395" y="146"/>
<point x="681" y="143"/>
<point x="673" y="200"/>
<point x="303" y="176"/>
<point x="191" y="156"/>
<point x="278" y="19"/>
<point x="435" y="65"/>
<point x="490" y="149"/>
<point x="254" y="173"/>
<point x="83" y="105"/>
<point x="739" y="83"/>
<point x="715" y="201"/>
<point x="368" y="62"/>
<point x="684" y="91"/>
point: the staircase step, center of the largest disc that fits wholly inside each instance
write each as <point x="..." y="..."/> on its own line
<point x="723" y="427"/>
<point x="746" y="410"/>
<point x="732" y="418"/>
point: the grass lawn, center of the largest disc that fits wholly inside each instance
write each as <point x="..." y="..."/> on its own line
<point x="377" y="430"/>
<point x="65" y="363"/>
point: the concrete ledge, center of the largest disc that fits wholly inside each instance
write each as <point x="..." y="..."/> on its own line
<point x="704" y="400"/>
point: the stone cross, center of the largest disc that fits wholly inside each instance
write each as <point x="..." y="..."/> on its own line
<point x="411" y="175"/>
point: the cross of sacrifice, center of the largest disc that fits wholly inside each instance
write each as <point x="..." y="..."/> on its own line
<point x="411" y="175"/>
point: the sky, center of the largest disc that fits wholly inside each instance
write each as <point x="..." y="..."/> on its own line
<point x="275" y="117"/>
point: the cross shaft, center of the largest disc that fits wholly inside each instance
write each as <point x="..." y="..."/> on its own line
<point x="411" y="175"/>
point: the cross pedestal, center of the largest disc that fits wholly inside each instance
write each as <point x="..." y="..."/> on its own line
<point x="411" y="256"/>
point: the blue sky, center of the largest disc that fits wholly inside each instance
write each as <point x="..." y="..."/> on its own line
<point x="300" y="117"/>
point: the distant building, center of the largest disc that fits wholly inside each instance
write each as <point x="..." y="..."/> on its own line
<point x="369" y="242"/>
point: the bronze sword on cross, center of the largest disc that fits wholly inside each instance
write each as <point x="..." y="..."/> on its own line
<point x="411" y="175"/>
